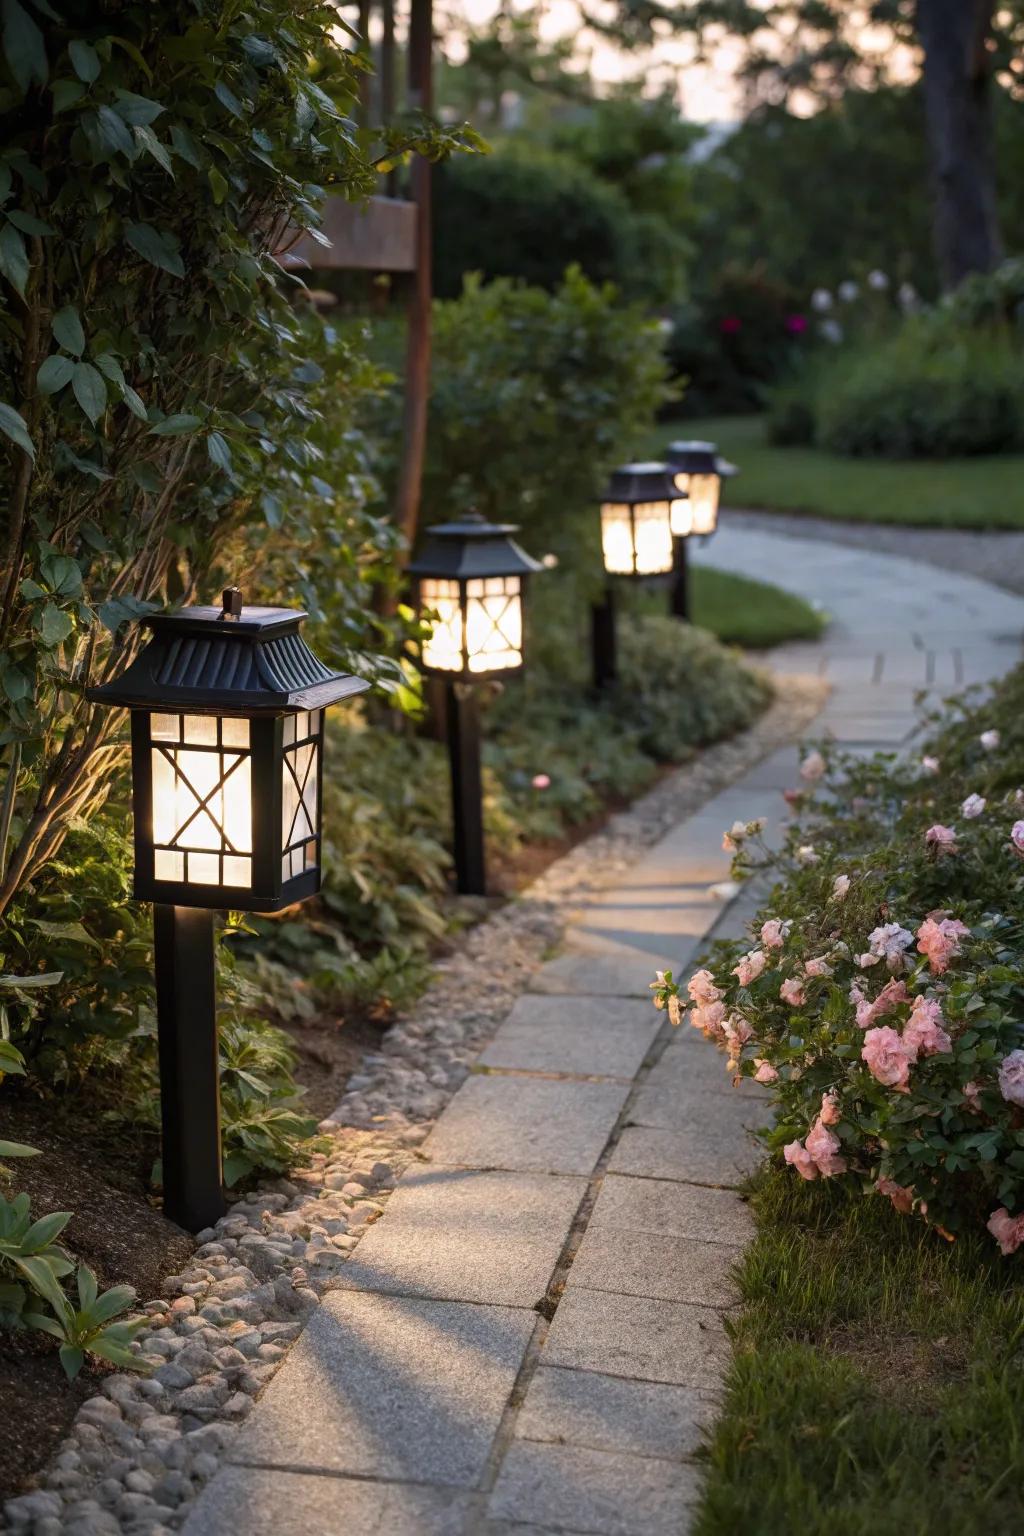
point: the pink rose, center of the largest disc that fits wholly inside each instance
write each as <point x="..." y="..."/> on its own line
<point x="939" y="939"/>
<point x="823" y="1145"/>
<point x="891" y="996"/>
<point x="541" y="781"/>
<point x="973" y="806"/>
<point x="736" y="1032"/>
<point x="1011" y="1077"/>
<point x="1007" y="1230"/>
<point x="812" y="767"/>
<point x="792" y="992"/>
<point x="930" y="766"/>
<point x="901" y="1197"/>
<point x="750" y="967"/>
<point x="840" y="886"/>
<point x="989" y="740"/>
<point x="709" y="1018"/>
<point x="702" y="989"/>
<point x="793" y="796"/>
<point x="940" y="840"/>
<point x="831" y="1113"/>
<point x="798" y="1157"/>
<point x="923" y="1033"/>
<point x="1017" y="836"/>
<point x="765" y="1073"/>
<point x="774" y="932"/>
<point x="818" y="967"/>
<point x="972" y="1095"/>
<point x="889" y="942"/>
<point x="886" y="1057"/>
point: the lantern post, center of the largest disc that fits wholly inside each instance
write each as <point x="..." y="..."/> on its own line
<point x="471" y="584"/>
<point x="227" y="708"/>
<point x="699" y="472"/>
<point x="637" y="510"/>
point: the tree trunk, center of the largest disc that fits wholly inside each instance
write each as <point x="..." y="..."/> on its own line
<point x="958" y="106"/>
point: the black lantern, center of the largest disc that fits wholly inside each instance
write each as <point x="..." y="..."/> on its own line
<point x="637" y="511"/>
<point x="699" y="472"/>
<point x="227" y="708"/>
<point x="471" y="579"/>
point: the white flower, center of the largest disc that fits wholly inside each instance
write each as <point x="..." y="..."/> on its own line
<point x="973" y="806"/>
<point x="848" y="291"/>
<point x="812" y="767"/>
<point x="907" y="295"/>
<point x="878" y="281"/>
<point x="930" y="766"/>
<point x="989" y="740"/>
<point x="840" y="886"/>
<point x="832" y="332"/>
<point x="888" y="942"/>
<point x="821" y="300"/>
<point x="806" y="854"/>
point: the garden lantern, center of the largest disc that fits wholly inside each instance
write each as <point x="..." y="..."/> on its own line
<point x="473" y="576"/>
<point x="638" y="508"/>
<point x="227" y="707"/>
<point x="698" y="476"/>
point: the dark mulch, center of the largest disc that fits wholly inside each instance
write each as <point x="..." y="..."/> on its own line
<point x="329" y="1050"/>
<point x="102" y="1175"/>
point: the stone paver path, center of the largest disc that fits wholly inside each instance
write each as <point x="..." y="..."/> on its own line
<point x="530" y="1339"/>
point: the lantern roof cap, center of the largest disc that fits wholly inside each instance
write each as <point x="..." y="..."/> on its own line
<point x="647" y="481"/>
<point x="229" y="660"/>
<point x="470" y="547"/>
<point x="696" y="457"/>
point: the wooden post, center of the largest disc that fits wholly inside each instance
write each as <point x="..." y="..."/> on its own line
<point x="420" y="96"/>
<point x="387" y="78"/>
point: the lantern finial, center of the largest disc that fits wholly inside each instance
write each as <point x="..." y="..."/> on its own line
<point x="231" y="603"/>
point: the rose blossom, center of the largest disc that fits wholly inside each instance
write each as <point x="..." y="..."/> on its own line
<point x="793" y="796"/>
<point x="702" y="989"/>
<point x="940" y="839"/>
<point x="901" y="1197"/>
<point x="840" y="886"/>
<point x="817" y="967"/>
<point x="736" y="1032"/>
<point x="812" y="767"/>
<point x="888" y="942"/>
<point x="823" y="1145"/>
<point x="831" y="1114"/>
<point x="792" y="992"/>
<point x="765" y="1073"/>
<point x="708" y="1018"/>
<point x="750" y="967"/>
<point x="1011" y="1077"/>
<point x="892" y="994"/>
<point x="775" y="932"/>
<point x="939" y="939"/>
<point x="1017" y="836"/>
<point x="923" y="1033"/>
<point x="930" y="766"/>
<point x="798" y="1157"/>
<point x="972" y="1095"/>
<point x="805" y="854"/>
<point x="989" y="740"/>
<point x="886" y="1057"/>
<point x="1007" y="1230"/>
<point x="973" y="806"/>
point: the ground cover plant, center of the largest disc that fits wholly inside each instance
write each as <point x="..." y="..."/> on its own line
<point x="977" y="492"/>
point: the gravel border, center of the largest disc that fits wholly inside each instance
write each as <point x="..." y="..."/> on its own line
<point x="140" y="1451"/>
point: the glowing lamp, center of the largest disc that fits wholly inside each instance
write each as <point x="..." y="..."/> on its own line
<point x="699" y="472"/>
<point x="473" y="576"/>
<point x="636" y="520"/>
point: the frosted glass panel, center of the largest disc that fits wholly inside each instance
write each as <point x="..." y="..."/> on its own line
<point x="494" y="624"/>
<point x="443" y="648"/>
<point x="202" y="800"/>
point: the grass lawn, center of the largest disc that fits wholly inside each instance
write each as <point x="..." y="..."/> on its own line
<point x="877" y="1387"/>
<point x="739" y="611"/>
<point x="951" y="493"/>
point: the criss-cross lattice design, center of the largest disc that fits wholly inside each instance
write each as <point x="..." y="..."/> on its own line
<point x="300" y="787"/>
<point x="494" y="624"/>
<point x="202" y="800"/>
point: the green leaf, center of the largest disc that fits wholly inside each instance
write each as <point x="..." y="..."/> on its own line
<point x="44" y="1231"/>
<point x="113" y="132"/>
<point x="54" y="373"/>
<point x="227" y="98"/>
<point x="218" y="185"/>
<point x="147" y="478"/>
<point x="66" y="93"/>
<point x="176" y="426"/>
<point x="185" y="146"/>
<point x="29" y="983"/>
<point x="72" y="1359"/>
<point x="138" y="111"/>
<point x="53" y="625"/>
<point x="220" y="453"/>
<point x="11" y="1060"/>
<point x="24" y="48"/>
<point x="67" y="330"/>
<point x="13" y="425"/>
<point x="65" y="931"/>
<point x="89" y="390"/>
<point x="149" y="141"/>
<point x="13" y="258"/>
<point x="85" y="61"/>
<point x="18" y="1149"/>
<point x="29" y="224"/>
<point x="159" y="248"/>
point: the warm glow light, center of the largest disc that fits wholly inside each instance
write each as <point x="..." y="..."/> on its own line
<point x="202" y="800"/>
<point x="443" y="648"/>
<point x="704" y="502"/>
<point x="681" y="512"/>
<point x="494" y="624"/>
<point x="616" y="538"/>
<point x="641" y="545"/>
<point x="300" y="787"/>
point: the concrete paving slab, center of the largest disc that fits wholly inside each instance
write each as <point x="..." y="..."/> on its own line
<point x="257" y="1501"/>
<point x="586" y="1036"/>
<point x="582" y="975"/>
<point x="694" y="1066"/>
<point x="673" y="1210"/>
<point x="593" y="1491"/>
<point x="390" y="1387"/>
<point x="463" y="1235"/>
<point x="607" y="1413"/>
<point x="691" y="1154"/>
<point x="671" y="1102"/>
<point x="527" y="1124"/>
<point x="650" y="1264"/>
<point x="636" y="1337"/>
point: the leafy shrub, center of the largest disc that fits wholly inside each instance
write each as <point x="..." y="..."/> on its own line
<point x="735" y="340"/>
<point x="882" y="999"/>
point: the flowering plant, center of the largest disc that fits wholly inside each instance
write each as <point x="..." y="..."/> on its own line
<point x="880" y="996"/>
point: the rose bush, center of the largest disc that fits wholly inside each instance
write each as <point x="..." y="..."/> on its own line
<point x="882" y="1000"/>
